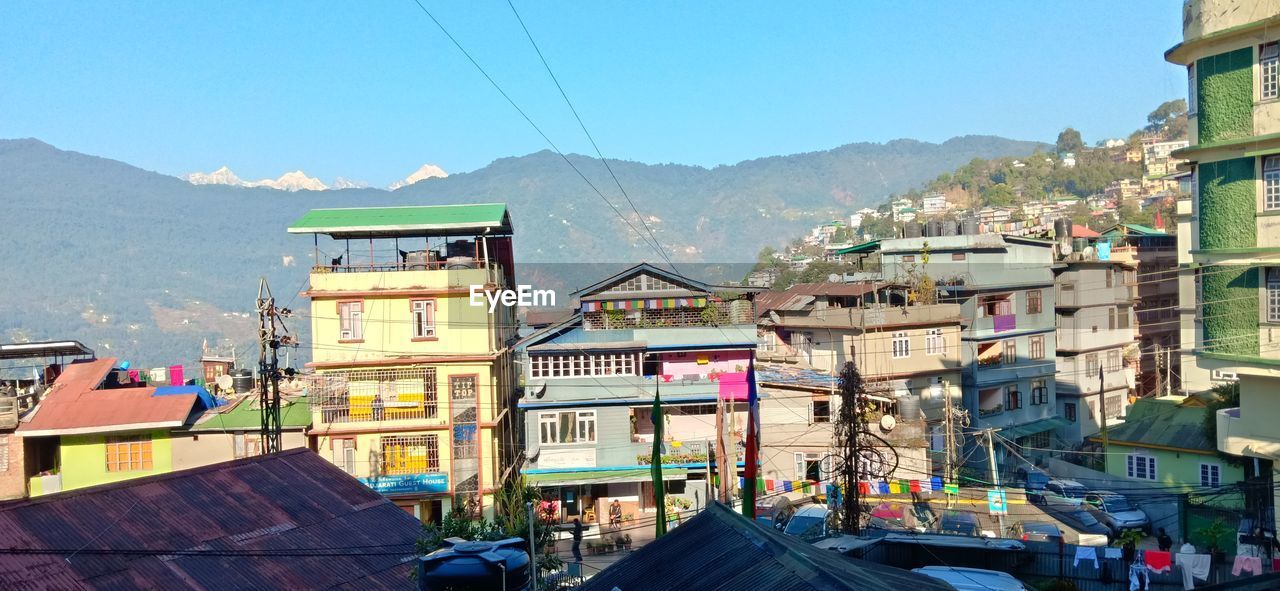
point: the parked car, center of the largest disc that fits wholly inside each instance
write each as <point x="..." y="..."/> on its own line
<point x="1059" y="492"/>
<point x="810" y="523"/>
<point x="1092" y="533"/>
<point x="959" y="522"/>
<point x="896" y="517"/>
<point x="1035" y="531"/>
<point x="774" y="511"/>
<point x="972" y="579"/>
<point x="1115" y="511"/>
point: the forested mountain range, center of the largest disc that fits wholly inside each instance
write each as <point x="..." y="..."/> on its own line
<point x="144" y="266"/>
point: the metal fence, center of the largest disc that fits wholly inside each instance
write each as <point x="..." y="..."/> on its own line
<point x="1039" y="561"/>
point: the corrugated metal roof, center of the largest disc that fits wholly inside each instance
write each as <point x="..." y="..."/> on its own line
<point x="720" y="549"/>
<point x="441" y="220"/>
<point x="287" y="521"/>
<point x="800" y="295"/>
<point x="43" y="349"/>
<point x="1163" y="423"/>
<point x="75" y="405"/>
<point x="244" y="414"/>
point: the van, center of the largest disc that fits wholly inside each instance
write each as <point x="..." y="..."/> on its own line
<point x="972" y="579"/>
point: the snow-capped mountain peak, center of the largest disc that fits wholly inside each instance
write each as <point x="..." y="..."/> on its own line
<point x="222" y="176"/>
<point x="292" y="181"/>
<point x="345" y="183"/>
<point x="426" y="171"/>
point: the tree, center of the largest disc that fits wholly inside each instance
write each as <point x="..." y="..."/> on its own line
<point x="1168" y="111"/>
<point x="1069" y="141"/>
<point x="999" y="195"/>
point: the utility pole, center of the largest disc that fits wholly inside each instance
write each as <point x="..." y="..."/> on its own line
<point x="1102" y="410"/>
<point x="269" y="368"/>
<point x="1168" y="371"/>
<point x="710" y="472"/>
<point x="995" y="472"/>
<point x="950" y="436"/>
<point x="533" y="550"/>
<point x="722" y="456"/>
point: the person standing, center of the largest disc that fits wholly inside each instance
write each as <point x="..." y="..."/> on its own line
<point x="577" y="540"/>
<point x="1163" y="539"/>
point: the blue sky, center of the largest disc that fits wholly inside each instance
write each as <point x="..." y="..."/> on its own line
<point x="371" y="90"/>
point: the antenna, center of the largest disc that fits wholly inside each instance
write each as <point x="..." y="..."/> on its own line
<point x="269" y="365"/>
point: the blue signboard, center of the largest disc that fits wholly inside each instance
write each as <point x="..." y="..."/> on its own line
<point x="997" y="502"/>
<point x="399" y="484"/>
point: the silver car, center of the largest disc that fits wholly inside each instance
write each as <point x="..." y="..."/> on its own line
<point x="1115" y="511"/>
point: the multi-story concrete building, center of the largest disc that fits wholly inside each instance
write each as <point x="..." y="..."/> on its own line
<point x="1097" y="350"/>
<point x="908" y="356"/>
<point x="414" y="377"/>
<point x="590" y="383"/>
<point x="1231" y="49"/>
<point x="933" y="203"/>
<point x="1154" y="252"/>
<point x="1005" y="288"/>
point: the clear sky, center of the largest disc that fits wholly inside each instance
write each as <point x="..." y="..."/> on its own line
<point x="372" y="90"/>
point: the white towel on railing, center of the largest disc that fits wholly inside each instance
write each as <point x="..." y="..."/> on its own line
<point x="1194" y="566"/>
<point x="1088" y="554"/>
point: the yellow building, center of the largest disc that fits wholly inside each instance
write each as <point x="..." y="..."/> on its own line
<point x="413" y="371"/>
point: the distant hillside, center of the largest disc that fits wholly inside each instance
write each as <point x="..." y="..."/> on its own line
<point x="145" y="266"/>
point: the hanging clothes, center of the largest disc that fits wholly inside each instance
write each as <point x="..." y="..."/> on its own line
<point x="1137" y="577"/>
<point x="1157" y="561"/>
<point x="1194" y="566"/>
<point x="1087" y="554"/>
<point x="1110" y="553"/>
<point x="1251" y="564"/>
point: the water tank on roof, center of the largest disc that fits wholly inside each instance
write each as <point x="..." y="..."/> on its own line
<point x="950" y="227"/>
<point x="1062" y="229"/>
<point x="480" y="566"/>
<point x="460" y="248"/>
<point x="969" y="227"/>
<point x="935" y="228"/>
<point x="242" y="381"/>
<point x="912" y="230"/>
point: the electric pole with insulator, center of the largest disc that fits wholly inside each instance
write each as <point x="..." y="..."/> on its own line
<point x="848" y="432"/>
<point x="269" y="343"/>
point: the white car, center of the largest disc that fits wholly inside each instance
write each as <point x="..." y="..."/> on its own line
<point x="972" y="579"/>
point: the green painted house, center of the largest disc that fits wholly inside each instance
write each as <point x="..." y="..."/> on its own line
<point x="1162" y="441"/>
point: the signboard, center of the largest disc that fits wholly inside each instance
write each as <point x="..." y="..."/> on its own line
<point x="997" y="503"/>
<point x="573" y="457"/>
<point x="398" y="484"/>
<point x="951" y="489"/>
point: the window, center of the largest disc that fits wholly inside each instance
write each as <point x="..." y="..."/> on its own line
<point x="1114" y="404"/>
<point x="1001" y="305"/>
<point x="1012" y="397"/>
<point x="1269" y="68"/>
<point x="819" y="411"/>
<point x="1191" y="89"/>
<point x="1069" y="410"/>
<point x="1035" y="347"/>
<point x="351" y="321"/>
<point x="128" y="453"/>
<point x="1039" y="393"/>
<point x="901" y="345"/>
<point x="1271" y="183"/>
<point x="344" y="454"/>
<point x="1140" y="466"/>
<point x="606" y="364"/>
<point x="410" y="454"/>
<point x="246" y="446"/>
<point x="565" y="427"/>
<point x="934" y="342"/>
<point x="1034" y="302"/>
<point x="424" y="319"/>
<point x="1210" y="475"/>
<point x="1091" y="365"/>
<point x="1273" y="294"/>
<point x="957" y="256"/>
<point x="1113" y="361"/>
<point x="911" y="258"/>
<point x="1010" y="352"/>
<point x="1122" y="317"/>
<point x="1111" y="318"/>
<point x="810" y="466"/>
<point x="1111" y="277"/>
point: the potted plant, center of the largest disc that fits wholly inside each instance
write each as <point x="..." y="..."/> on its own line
<point x="1211" y="535"/>
<point x="626" y="541"/>
<point x="617" y="542"/>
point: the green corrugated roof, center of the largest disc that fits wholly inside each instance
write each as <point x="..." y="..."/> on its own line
<point x="244" y="416"/>
<point x="1162" y="423"/>
<point x="1136" y="229"/>
<point x="399" y="221"/>
<point x="864" y="247"/>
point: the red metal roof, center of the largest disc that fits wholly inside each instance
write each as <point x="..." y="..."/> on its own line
<point x="1078" y="231"/>
<point x="73" y="405"/>
<point x="286" y="521"/>
<point x="801" y="293"/>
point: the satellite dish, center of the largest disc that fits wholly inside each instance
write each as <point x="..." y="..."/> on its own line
<point x="887" y="422"/>
<point x="224" y="382"/>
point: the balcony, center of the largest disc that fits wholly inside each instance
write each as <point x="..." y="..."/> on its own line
<point x="1070" y="297"/>
<point x="390" y="277"/>
<point x="373" y="397"/>
<point x="1090" y="338"/>
<point x="1243" y="437"/>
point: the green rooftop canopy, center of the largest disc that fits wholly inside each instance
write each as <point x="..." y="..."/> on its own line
<point x="412" y="220"/>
